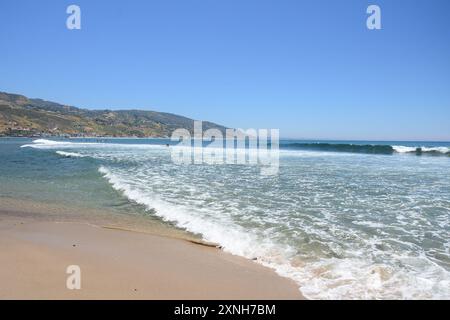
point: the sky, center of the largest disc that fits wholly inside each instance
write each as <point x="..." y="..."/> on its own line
<point x="309" y="68"/>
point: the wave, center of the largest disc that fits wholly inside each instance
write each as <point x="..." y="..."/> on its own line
<point x="70" y="154"/>
<point x="381" y="149"/>
<point x="52" y="144"/>
<point x="225" y="234"/>
<point x="49" y="144"/>
<point x="366" y="148"/>
<point x="352" y="276"/>
<point x="42" y="142"/>
<point x="423" y="150"/>
<point x="342" y="147"/>
<point x="232" y="238"/>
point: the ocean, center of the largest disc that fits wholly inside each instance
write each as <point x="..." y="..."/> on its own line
<point x="344" y="219"/>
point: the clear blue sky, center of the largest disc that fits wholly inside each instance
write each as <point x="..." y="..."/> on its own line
<point x="310" y="68"/>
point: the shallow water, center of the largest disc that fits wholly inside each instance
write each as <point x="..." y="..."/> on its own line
<point x="352" y="224"/>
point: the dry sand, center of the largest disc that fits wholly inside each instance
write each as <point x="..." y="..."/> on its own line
<point x="120" y="264"/>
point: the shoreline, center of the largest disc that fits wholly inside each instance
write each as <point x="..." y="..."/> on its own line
<point x="119" y="261"/>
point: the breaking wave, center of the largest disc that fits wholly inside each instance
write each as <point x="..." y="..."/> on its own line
<point x="367" y="148"/>
<point x="70" y="154"/>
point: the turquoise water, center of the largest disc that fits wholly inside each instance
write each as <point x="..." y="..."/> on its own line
<point x="344" y="219"/>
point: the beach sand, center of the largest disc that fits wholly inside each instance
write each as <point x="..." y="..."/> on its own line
<point x="36" y="249"/>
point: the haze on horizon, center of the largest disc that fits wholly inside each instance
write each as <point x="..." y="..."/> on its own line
<point x="310" y="68"/>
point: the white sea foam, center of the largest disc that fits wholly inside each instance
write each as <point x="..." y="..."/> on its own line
<point x="49" y="144"/>
<point x="70" y="154"/>
<point x="41" y="142"/>
<point x="229" y="237"/>
<point x="405" y="149"/>
<point x="357" y="276"/>
<point x="436" y="149"/>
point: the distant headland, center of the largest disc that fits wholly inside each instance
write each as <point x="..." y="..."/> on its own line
<point x="25" y="117"/>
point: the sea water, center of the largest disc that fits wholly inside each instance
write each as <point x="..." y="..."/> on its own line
<point x="345" y="220"/>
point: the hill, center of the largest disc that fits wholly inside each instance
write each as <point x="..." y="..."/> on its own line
<point x="22" y="116"/>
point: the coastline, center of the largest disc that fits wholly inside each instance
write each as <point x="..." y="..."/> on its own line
<point x="123" y="259"/>
<point x="309" y="235"/>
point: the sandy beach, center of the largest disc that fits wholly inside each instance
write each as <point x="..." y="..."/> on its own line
<point x="37" y="247"/>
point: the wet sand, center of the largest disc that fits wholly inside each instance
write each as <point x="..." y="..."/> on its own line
<point x="146" y="263"/>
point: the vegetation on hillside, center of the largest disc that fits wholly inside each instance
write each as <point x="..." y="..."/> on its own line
<point x="21" y="116"/>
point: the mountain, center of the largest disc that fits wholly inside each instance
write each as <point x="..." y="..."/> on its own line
<point x="22" y="116"/>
